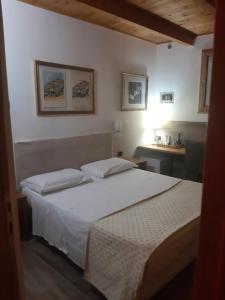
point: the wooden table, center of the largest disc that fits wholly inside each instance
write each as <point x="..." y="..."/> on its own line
<point x="165" y="149"/>
<point x="142" y="164"/>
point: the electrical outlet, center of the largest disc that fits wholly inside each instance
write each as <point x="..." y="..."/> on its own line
<point x="120" y="153"/>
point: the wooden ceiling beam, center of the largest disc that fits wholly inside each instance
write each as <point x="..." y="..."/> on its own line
<point x="137" y="15"/>
<point x="212" y="2"/>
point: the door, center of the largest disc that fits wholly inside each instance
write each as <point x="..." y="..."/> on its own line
<point x="210" y="271"/>
<point x="11" y="281"/>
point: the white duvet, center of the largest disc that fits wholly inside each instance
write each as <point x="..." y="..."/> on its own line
<point x="64" y="218"/>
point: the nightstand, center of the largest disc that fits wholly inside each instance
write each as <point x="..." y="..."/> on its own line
<point x="24" y="211"/>
<point x="142" y="164"/>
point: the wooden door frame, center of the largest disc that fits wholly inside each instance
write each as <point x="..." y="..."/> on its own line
<point x="210" y="269"/>
<point x="10" y="258"/>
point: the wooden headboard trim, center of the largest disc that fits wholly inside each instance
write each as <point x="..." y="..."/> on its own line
<point x="36" y="157"/>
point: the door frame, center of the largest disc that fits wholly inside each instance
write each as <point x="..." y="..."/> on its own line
<point x="10" y="257"/>
<point x="210" y="268"/>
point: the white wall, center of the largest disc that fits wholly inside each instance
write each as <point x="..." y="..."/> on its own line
<point x="178" y="70"/>
<point x="32" y="33"/>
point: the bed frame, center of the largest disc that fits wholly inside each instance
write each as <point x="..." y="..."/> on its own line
<point x="35" y="157"/>
<point x="169" y="259"/>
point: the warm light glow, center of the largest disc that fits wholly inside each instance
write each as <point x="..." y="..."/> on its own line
<point x="148" y="136"/>
<point x="155" y="118"/>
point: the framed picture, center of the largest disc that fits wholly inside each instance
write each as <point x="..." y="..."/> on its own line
<point x="63" y="89"/>
<point x="167" y="97"/>
<point x="135" y="90"/>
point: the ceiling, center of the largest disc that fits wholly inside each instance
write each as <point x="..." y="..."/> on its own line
<point x="156" y="21"/>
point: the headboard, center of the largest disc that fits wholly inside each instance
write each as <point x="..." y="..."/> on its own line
<point x="36" y="157"/>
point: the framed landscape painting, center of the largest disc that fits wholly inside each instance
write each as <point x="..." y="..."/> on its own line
<point x="135" y="90"/>
<point x="63" y="89"/>
<point x="53" y="88"/>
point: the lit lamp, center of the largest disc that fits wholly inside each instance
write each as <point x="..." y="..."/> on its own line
<point x="156" y="124"/>
<point x="153" y="121"/>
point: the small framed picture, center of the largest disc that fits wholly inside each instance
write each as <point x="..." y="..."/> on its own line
<point x="167" y="97"/>
<point x="63" y="89"/>
<point x="135" y="90"/>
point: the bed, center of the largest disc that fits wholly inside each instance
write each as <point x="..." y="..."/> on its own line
<point x="96" y="239"/>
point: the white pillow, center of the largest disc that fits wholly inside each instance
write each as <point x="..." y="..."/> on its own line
<point x="103" y="168"/>
<point x="54" y="181"/>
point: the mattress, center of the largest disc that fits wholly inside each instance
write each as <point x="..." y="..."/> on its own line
<point x="64" y="218"/>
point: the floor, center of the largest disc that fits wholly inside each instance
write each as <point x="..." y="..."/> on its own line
<point x="50" y="275"/>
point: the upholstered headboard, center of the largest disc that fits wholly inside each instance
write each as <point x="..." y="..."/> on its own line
<point x="36" y="157"/>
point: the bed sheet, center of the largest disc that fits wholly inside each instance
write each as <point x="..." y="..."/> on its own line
<point x="64" y="218"/>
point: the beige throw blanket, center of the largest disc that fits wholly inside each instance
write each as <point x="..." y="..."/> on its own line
<point x="121" y="244"/>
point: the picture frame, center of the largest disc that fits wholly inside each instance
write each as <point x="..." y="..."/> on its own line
<point x="167" y="97"/>
<point x="134" y="92"/>
<point x="64" y="89"/>
<point x="205" y="80"/>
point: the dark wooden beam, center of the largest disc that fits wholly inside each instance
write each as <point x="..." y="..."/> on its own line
<point x="212" y="2"/>
<point x="139" y="16"/>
